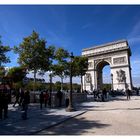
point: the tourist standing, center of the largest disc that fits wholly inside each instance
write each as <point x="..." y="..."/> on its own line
<point x="128" y="93"/>
<point x="104" y="94"/>
<point x="1" y="104"/>
<point x="17" y="95"/>
<point x="4" y="100"/>
<point x="41" y="99"/>
<point x="137" y="92"/>
<point x="25" y="102"/>
<point x="46" y="98"/>
<point x="59" y="96"/>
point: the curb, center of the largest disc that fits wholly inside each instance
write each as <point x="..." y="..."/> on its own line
<point x="57" y="123"/>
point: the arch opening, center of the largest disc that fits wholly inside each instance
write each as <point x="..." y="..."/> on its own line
<point x="103" y="75"/>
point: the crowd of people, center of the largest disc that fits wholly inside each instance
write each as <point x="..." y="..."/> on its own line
<point x="22" y="98"/>
<point x="103" y="95"/>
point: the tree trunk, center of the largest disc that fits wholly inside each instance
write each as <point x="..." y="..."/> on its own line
<point x="81" y="84"/>
<point x="61" y="83"/>
<point x="34" y="86"/>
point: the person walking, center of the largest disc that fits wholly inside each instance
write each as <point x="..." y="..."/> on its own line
<point x="25" y="102"/>
<point x="4" y="100"/>
<point x="46" y="98"/>
<point x="21" y="96"/>
<point x="137" y="92"/>
<point x="59" y="96"/>
<point x="104" y="94"/>
<point x="17" y="95"/>
<point x="1" y="104"/>
<point x="128" y="93"/>
<point x="41" y="99"/>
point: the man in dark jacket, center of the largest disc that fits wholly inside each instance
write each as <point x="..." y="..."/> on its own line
<point x="4" y="105"/>
<point x="25" y="102"/>
<point x="128" y="93"/>
<point x="41" y="99"/>
<point x="59" y="96"/>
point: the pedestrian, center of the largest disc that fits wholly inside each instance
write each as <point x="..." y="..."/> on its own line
<point x="46" y="98"/>
<point x="59" y="96"/>
<point x="104" y="94"/>
<point x="25" y="102"/>
<point x="137" y="92"/>
<point x="17" y="95"/>
<point x="4" y="100"/>
<point x="41" y="99"/>
<point x="66" y="100"/>
<point x="128" y="93"/>
<point x="1" y="104"/>
<point x="5" y="105"/>
<point x="97" y="95"/>
<point x="21" y="96"/>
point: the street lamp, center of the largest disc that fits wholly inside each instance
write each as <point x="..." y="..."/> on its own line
<point x="112" y="81"/>
<point x="70" y="106"/>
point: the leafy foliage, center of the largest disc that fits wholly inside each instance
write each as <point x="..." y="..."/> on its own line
<point x="17" y="74"/>
<point x="3" y="51"/>
<point x="33" y="53"/>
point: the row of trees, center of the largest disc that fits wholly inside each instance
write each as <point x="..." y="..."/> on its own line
<point x="34" y="55"/>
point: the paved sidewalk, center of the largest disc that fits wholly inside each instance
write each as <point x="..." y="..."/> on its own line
<point x="116" y="116"/>
<point x="37" y="119"/>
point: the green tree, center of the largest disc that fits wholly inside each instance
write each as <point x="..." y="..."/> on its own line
<point x="80" y="66"/>
<point x="3" y="51"/>
<point x="16" y="74"/>
<point x="61" y="56"/>
<point x="34" y="55"/>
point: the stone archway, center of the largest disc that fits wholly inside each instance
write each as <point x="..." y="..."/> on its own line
<point x="99" y="69"/>
<point x="117" y="55"/>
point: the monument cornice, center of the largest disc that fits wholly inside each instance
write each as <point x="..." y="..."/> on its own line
<point x="106" y="52"/>
<point x="106" y="45"/>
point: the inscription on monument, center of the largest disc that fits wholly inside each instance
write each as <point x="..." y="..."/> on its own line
<point x="119" y="60"/>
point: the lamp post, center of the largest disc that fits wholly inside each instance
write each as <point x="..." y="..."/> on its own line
<point x="70" y="106"/>
<point x="111" y="81"/>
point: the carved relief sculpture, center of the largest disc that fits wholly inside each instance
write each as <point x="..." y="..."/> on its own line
<point x="90" y="64"/>
<point x="119" y="60"/>
<point x="121" y="76"/>
<point x="88" y="78"/>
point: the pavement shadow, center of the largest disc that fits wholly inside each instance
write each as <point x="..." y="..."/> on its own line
<point x="74" y="126"/>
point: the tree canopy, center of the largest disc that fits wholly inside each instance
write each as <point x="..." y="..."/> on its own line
<point x="33" y="53"/>
<point x="17" y="74"/>
<point x="3" y="51"/>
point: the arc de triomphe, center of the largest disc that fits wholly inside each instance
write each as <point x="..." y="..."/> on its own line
<point x="117" y="55"/>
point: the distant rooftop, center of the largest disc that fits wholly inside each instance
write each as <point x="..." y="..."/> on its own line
<point x="104" y="45"/>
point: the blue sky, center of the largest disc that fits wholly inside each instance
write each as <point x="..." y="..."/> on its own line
<point x="74" y="27"/>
